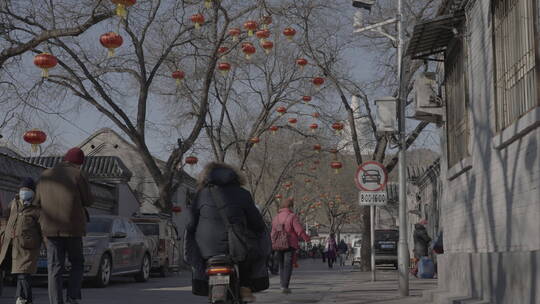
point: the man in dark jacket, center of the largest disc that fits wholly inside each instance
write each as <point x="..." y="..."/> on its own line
<point x="219" y="181"/>
<point x="63" y="193"/>
<point x="421" y="241"/>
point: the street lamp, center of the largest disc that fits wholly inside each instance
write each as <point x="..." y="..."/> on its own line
<point x="403" y="250"/>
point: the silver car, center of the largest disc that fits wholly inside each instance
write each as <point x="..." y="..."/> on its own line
<point x="113" y="246"/>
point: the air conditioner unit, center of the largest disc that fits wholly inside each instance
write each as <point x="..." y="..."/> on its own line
<point x="428" y="103"/>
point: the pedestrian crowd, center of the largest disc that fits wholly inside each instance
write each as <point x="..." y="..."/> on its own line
<point x="53" y="212"/>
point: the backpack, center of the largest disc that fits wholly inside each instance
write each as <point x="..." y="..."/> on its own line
<point x="280" y="238"/>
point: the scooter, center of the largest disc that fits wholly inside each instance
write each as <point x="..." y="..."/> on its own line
<point x="223" y="283"/>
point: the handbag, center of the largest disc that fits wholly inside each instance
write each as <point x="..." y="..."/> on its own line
<point x="236" y="233"/>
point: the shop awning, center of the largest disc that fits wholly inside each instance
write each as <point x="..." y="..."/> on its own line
<point x="433" y="36"/>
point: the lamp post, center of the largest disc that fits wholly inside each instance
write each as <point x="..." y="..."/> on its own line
<point x="403" y="250"/>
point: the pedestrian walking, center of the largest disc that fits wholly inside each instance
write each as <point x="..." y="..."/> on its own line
<point x="21" y="240"/>
<point x="63" y="193"/>
<point x="421" y="244"/>
<point x="343" y="249"/>
<point x="331" y="250"/>
<point x="286" y="231"/>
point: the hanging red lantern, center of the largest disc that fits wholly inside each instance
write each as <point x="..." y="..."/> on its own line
<point x="255" y="140"/>
<point x="313" y="127"/>
<point x="288" y="185"/>
<point x="267" y="46"/>
<point x="179" y="76"/>
<point x="122" y="5"/>
<point x="35" y="137"/>
<point x="266" y="21"/>
<point x="318" y="81"/>
<point x="279" y="197"/>
<point x="274" y="129"/>
<point x="263" y="35"/>
<point x="111" y="41"/>
<point x="313" y="168"/>
<point x="45" y="62"/>
<point x="317" y="148"/>
<point x="223" y="50"/>
<point x="307" y="180"/>
<point x="334" y="152"/>
<point x="306" y="99"/>
<point x="224" y="68"/>
<point x="191" y="160"/>
<point x="281" y="110"/>
<point x="234" y="33"/>
<point x="176" y="209"/>
<point x="198" y="19"/>
<point x="289" y="32"/>
<point x="251" y="26"/>
<point x="338" y="127"/>
<point x="316" y="115"/>
<point x="249" y="50"/>
<point x="336" y="165"/>
<point x="302" y="62"/>
<point x="293" y="121"/>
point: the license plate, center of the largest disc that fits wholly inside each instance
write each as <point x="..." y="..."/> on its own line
<point x="42" y="264"/>
<point x="219" y="280"/>
<point x="387" y="246"/>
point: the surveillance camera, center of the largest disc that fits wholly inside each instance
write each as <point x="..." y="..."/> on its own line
<point x="365" y="4"/>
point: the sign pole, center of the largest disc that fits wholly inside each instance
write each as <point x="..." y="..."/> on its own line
<point x="373" y="267"/>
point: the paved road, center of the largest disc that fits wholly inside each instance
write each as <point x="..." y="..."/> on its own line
<point x="312" y="283"/>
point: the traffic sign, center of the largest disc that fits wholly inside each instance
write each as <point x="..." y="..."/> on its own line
<point x="371" y="176"/>
<point x="372" y="198"/>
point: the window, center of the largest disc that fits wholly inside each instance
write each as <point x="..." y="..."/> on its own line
<point x="514" y="36"/>
<point x="457" y="103"/>
<point x="118" y="226"/>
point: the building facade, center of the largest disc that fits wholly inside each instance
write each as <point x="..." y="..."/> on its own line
<point x="490" y="169"/>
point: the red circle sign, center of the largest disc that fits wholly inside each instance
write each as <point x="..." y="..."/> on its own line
<point x="371" y="176"/>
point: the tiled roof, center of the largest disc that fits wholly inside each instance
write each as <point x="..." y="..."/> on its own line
<point x="94" y="166"/>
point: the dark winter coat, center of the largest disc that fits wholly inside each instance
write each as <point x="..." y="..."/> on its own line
<point x="206" y="234"/>
<point x="421" y="241"/>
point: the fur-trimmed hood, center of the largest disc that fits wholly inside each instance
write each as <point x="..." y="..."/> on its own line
<point x="219" y="174"/>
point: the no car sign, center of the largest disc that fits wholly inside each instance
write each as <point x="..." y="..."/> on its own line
<point x="371" y="176"/>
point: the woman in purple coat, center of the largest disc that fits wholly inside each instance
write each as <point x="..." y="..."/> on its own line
<point x="331" y="250"/>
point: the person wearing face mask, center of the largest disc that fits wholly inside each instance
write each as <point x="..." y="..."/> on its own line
<point x="21" y="240"/>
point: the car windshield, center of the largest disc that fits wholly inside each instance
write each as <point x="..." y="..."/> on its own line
<point x="387" y="235"/>
<point x="99" y="225"/>
<point x="149" y="229"/>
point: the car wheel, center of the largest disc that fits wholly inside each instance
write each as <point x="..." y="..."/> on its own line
<point x="144" y="273"/>
<point x="164" y="270"/>
<point x="103" y="277"/>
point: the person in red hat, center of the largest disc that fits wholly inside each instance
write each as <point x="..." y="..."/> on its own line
<point x="63" y="193"/>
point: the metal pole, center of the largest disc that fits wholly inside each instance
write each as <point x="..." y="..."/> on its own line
<point x="372" y="218"/>
<point x="403" y="250"/>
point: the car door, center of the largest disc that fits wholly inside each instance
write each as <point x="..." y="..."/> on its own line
<point x="136" y="240"/>
<point x="120" y="246"/>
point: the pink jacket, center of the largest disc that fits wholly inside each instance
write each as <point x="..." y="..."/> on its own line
<point x="292" y="226"/>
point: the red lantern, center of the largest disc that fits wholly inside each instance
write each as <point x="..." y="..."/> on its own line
<point x="302" y="62"/>
<point x="307" y="180"/>
<point x="288" y="185"/>
<point x="122" y="5"/>
<point x="198" y="19"/>
<point x="235" y="32"/>
<point x="313" y="127"/>
<point x="318" y="81"/>
<point x="336" y="166"/>
<point x="274" y="129"/>
<point x="266" y="21"/>
<point x="281" y="110"/>
<point x="192" y="160"/>
<point x="316" y="115"/>
<point x="224" y="68"/>
<point x="263" y="35"/>
<point x="313" y="168"/>
<point x="249" y="50"/>
<point x="279" y="196"/>
<point x="223" y="50"/>
<point x="293" y="121"/>
<point x="176" y="209"/>
<point x="306" y="99"/>
<point x="289" y="32"/>
<point x="255" y="140"/>
<point x="45" y="61"/>
<point x="267" y="46"/>
<point x="111" y="41"/>
<point x="179" y="76"/>
<point x="317" y="148"/>
<point x="338" y="127"/>
<point x="251" y="26"/>
<point x="35" y="137"/>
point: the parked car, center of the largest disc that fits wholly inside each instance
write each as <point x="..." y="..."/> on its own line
<point x="165" y="241"/>
<point x="356" y="252"/>
<point x="113" y="246"/>
<point x="386" y="247"/>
